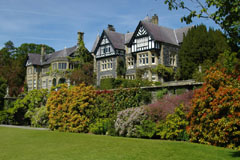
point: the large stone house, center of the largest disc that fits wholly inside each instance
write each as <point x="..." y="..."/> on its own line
<point x="148" y="46"/>
<point x="47" y="70"/>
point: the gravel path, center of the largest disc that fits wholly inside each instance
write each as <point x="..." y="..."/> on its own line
<point x="23" y="127"/>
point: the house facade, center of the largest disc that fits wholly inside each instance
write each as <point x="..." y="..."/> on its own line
<point x="145" y="48"/>
<point x="47" y="70"/>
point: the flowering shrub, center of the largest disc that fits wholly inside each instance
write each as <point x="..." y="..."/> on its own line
<point x="174" y="127"/>
<point x="215" y="114"/>
<point x="71" y="109"/>
<point x="128" y="119"/>
<point x="159" y="110"/>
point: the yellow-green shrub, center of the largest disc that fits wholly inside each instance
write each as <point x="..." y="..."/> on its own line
<point x="71" y="109"/>
<point x="174" y="127"/>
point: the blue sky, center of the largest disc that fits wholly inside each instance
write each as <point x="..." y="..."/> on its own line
<point x="56" y="22"/>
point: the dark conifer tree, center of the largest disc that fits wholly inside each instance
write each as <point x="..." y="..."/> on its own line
<point x="198" y="46"/>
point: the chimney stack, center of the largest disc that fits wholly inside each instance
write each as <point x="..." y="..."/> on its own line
<point x="80" y="37"/>
<point x="154" y="19"/>
<point x="42" y="54"/>
<point x="111" y="28"/>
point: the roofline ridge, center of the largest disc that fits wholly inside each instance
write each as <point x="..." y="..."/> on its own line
<point x="175" y="36"/>
<point x="113" y="31"/>
<point x="160" y="26"/>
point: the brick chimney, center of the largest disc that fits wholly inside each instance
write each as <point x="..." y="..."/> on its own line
<point x="154" y="19"/>
<point x="111" y="28"/>
<point x="42" y="54"/>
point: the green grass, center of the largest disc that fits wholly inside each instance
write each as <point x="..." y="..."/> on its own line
<point x="23" y="144"/>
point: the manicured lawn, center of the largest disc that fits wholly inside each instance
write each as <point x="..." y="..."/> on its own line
<point x="24" y="144"/>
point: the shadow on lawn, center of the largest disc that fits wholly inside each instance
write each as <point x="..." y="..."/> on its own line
<point x="235" y="154"/>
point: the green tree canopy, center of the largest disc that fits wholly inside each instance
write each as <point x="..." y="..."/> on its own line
<point x="12" y="64"/>
<point x="26" y="48"/>
<point x="3" y="86"/>
<point x="225" y="13"/>
<point x="198" y="46"/>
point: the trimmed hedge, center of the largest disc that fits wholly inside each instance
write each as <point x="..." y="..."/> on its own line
<point x="112" y="83"/>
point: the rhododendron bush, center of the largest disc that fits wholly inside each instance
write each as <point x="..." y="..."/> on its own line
<point x="215" y="115"/>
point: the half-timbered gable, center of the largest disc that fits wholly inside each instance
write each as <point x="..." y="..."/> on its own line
<point x="110" y="43"/>
<point x="141" y="40"/>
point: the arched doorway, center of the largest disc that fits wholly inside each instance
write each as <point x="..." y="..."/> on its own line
<point x="54" y="82"/>
<point x="61" y="80"/>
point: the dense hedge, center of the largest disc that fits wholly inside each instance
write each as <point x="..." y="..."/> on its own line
<point x="82" y="108"/>
<point x="215" y="115"/>
<point x="111" y="83"/>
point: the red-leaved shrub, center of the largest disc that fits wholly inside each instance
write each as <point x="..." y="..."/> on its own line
<point x="160" y="109"/>
<point x="215" y="114"/>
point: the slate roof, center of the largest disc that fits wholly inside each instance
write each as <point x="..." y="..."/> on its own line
<point x="164" y="34"/>
<point x="128" y="37"/>
<point x="95" y="43"/>
<point x="117" y="39"/>
<point x="34" y="59"/>
<point x="160" y="33"/>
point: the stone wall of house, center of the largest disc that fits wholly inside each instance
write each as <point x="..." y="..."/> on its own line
<point x="107" y="73"/>
<point x="167" y="50"/>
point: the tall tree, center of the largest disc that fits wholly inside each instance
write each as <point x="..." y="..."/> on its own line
<point x="3" y="86"/>
<point x="12" y="64"/>
<point x="26" y="48"/>
<point x="198" y="46"/>
<point x="225" y="13"/>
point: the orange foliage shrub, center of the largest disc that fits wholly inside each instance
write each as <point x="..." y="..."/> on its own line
<point x="215" y="115"/>
<point x="71" y="109"/>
